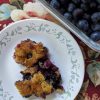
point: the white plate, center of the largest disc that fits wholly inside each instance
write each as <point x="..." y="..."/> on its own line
<point x="64" y="53"/>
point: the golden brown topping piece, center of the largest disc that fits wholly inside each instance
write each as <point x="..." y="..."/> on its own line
<point x="37" y="86"/>
<point x="46" y="87"/>
<point x="24" y="87"/>
<point x="38" y="78"/>
<point x="28" y="52"/>
<point x="41" y="87"/>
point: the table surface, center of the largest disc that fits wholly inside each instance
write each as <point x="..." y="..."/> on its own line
<point x="88" y="91"/>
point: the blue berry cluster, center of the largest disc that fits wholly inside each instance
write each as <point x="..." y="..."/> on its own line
<point x="85" y="14"/>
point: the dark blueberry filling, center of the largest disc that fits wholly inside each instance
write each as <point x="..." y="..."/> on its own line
<point x="49" y="70"/>
<point x="27" y="76"/>
<point x="27" y="96"/>
<point x="29" y="55"/>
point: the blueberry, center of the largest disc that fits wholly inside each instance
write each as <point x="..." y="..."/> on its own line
<point x="33" y="41"/>
<point x="55" y="4"/>
<point x="86" y="1"/>
<point x="96" y="27"/>
<point x="43" y="95"/>
<point x="83" y="25"/>
<point x="27" y="76"/>
<point x="95" y="17"/>
<point x="48" y="1"/>
<point x="48" y="64"/>
<point x="60" y="87"/>
<point x="95" y="36"/>
<point x="93" y="5"/>
<point x="98" y="1"/>
<point x="27" y="96"/>
<point x="54" y="68"/>
<point x="64" y="2"/>
<point x="29" y="55"/>
<point x="76" y="1"/>
<point x="78" y="13"/>
<point x="98" y="8"/>
<point x="68" y="16"/>
<point x="85" y="7"/>
<point x="86" y="16"/>
<point x="71" y="7"/>
<point x="62" y="10"/>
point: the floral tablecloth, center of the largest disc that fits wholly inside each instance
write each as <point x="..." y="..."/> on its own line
<point x="91" y="86"/>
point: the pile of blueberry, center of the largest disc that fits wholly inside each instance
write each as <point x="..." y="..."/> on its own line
<point x="85" y="14"/>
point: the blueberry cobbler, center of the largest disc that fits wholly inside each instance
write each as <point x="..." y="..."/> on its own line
<point x="41" y="77"/>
